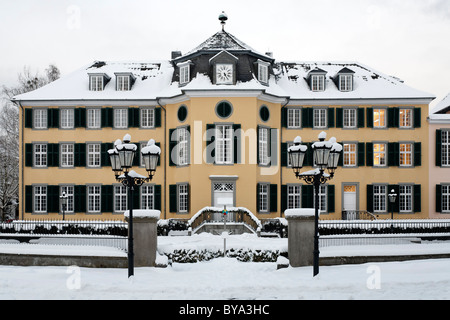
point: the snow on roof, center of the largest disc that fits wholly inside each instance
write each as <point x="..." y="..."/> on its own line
<point x="154" y="80"/>
<point x="441" y="106"/>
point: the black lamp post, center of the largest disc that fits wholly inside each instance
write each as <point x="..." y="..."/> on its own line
<point x="121" y="158"/>
<point x="63" y="199"/>
<point x="392" y="198"/>
<point x="326" y="156"/>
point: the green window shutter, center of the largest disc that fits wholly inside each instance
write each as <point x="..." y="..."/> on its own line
<point x="157" y="117"/>
<point x="53" y="155"/>
<point x="80" y="198"/>
<point x="258" y="190"/>
<point x="417" y="198"/>
<point x="393" y="117"/>
<point x="307" y="196"/>
<point x="107" y="198"/>
<point x="172" y="144"/>
<point x="157" y="197"/>
<point x="284" y="154"/>
<point x="237" y="143"/>
<point x="137" y="155"/>
<point x="80" y="118"/>
<point x="80" y="155"/>
<point x="53" y="118"/>
<point x="417" y="117"/>
<point x="284" y="114"/>
<point x="104" y="156"/>
<point x="330" y="198"/>
<point x="158" y="144"/>
<point x="361" y="117"/>
<point x="370" y="198"/>
<point x="330" y="117"/>
<point x="369" y="113"/>
<point x="28" y="154"/>
<point x="137" y="197"/>
<point x="438" y="148"/>
<point x="284" y="197"/>
<point x="417" y="154"/>
<point x="393" y="154"/>
<point x="107" y="117"/>
<point x="361" y="154"/>
<point x="369" y="154"/>
<point x="210" y="143"/>
<point x="273" y="147"/>
<point x="29" y="118"/>
<point x="28" y="199"/>
<point x="307" y="117"/>
<point x="52" y="199"/>
<point x="273" y="198"/>
<point x="173" y="198"/>
<point x="308" y="160"/>
<point x="341" y="156"/>
<point x="339" y="118"/>
<point x="438" y="198"/>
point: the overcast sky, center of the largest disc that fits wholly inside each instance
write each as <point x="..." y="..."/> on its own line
<point x="408" y="39"/>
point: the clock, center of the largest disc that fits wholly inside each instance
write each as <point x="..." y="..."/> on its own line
<point x="224" y="73"/>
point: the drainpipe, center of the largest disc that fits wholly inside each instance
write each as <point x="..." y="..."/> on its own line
<point x="288" y="99"/>
<point x="22" y="205"/>
<point x="165" y="154"/>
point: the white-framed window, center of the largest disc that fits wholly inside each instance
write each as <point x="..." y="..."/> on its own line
<point x="184" y="74"/>
<point x="263" y="197"/>
<point x="93" y="154"/>
<point x="349" y="118"/>
<point x="349" y="155"/>
<point x="379" y="154"/>
<point x="67" y="155"/>
<point x="406" y="154"/>
<point x="93" y="118"/>
<point x="405" y="120"/>
<point x="120" y="198"/>
<point x="445" y="198"/>
<point x="147" y="196"/>
<point x="264" y="157"/>
<point x="294" y="196"/>
<point x="40" y="199"/>
<point x="263" y="73"/>
<point x="445" y="148"/>
<point x="379" y="198"/>
<point x="183" y="196"/>
<point x="40" y="154"/>
<point x="147" y="118"/>
<point x="120" y="118"/>
<point x="67" y="118"/>
<point x="320" y="118"/>
<point x="317" y="82"/>
<point x="183" y="146"/>
<point x="294" y="118"/>
<point x="224" y="144"/>
<point x="345" y="82"/>
<point x="40" y="118"/>
<point x="68" y="190"/>
<point x="93" y="199"/>
<point x="322" y="198"/>
<point x="96" y="83"/>
<point x="379" y="118"/>
<point x="123" y="83"/>
<point x="405" y="198"/>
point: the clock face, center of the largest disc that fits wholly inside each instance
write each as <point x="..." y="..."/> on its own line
<point x="224" y="74"/>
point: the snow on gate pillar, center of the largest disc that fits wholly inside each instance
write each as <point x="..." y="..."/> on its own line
<point x="300" y="236"/>
<point x="145" y="236"/>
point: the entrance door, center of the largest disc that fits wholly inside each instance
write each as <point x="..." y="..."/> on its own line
<point x="349" y="205"/>
<point x="225" y="192"/>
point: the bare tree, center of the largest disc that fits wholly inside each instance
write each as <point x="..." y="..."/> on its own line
<point x="9" y="136"/>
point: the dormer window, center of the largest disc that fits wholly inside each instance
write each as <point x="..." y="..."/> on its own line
<point x="317" y="82"/>
<point x="124" y="81"/>
<point x="344" y="80"/>
<point x="263" y="72"/>
<point x="97" y="82"/>
<point x="185" y="72"/>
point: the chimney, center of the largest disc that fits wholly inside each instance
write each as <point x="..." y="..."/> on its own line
<point x="269" y="54"/>
<point x="176" y="54"/>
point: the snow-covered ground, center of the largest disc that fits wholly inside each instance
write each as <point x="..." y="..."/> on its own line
<point x="227" y="278"/>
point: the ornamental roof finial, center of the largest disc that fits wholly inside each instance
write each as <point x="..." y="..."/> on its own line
<point x="223" y="17"/>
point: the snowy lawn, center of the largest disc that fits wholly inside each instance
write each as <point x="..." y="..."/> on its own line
<point x="227" y="278"/>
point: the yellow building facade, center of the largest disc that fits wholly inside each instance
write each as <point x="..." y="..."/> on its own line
<point x="224" y="116"/>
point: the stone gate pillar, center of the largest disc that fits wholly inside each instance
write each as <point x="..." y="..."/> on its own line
<point x="300" y="236"/>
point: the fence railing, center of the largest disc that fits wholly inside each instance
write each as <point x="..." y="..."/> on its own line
<point x="67" y="232"/>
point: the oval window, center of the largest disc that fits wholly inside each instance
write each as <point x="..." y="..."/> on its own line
<point x="182" y="113"/>
<point x="264" y="113"/>
<point x="224" y="109"/>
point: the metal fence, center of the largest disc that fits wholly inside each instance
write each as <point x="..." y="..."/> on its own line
<point x="67" y="232"/>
